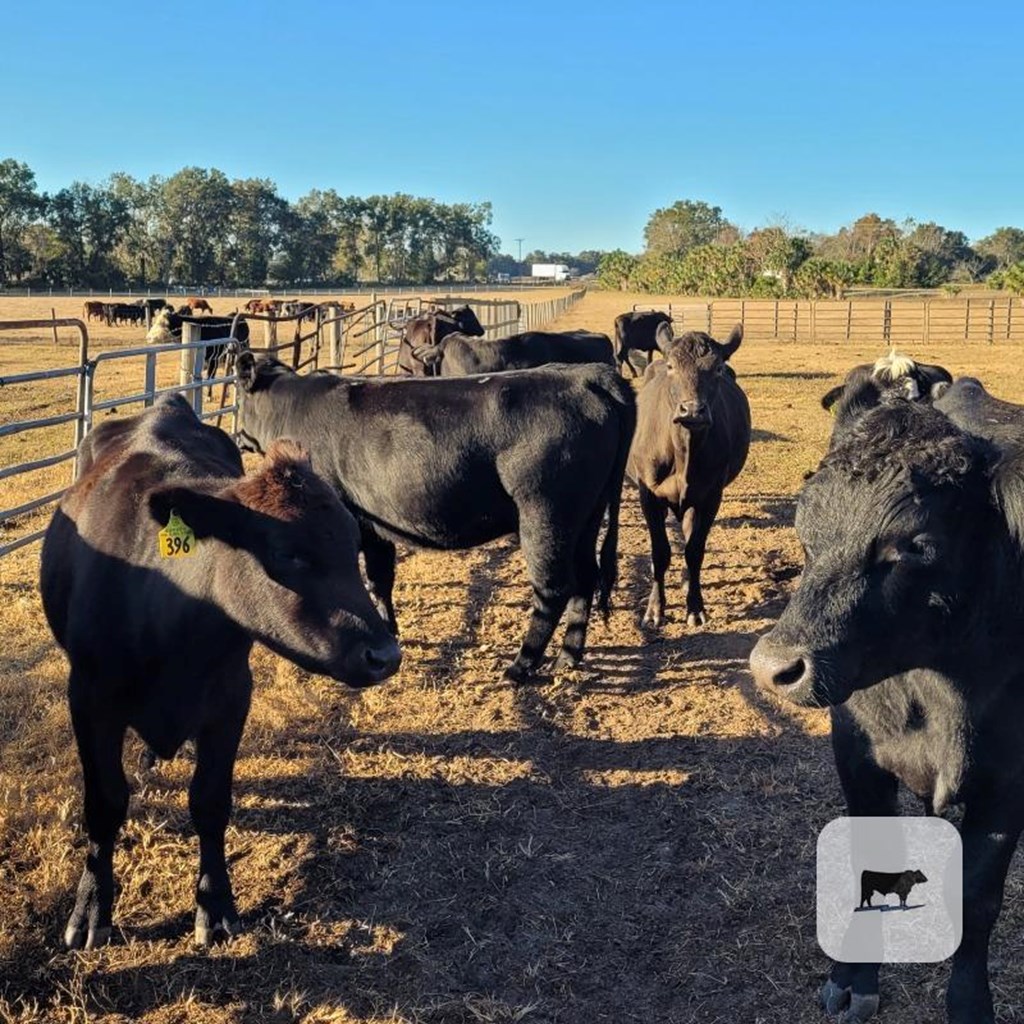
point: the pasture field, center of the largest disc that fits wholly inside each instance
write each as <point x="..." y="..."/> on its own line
<point x="632" y="841"/>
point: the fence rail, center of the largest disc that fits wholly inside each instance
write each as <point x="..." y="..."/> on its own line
<point x="369" y="335"/>
<point x="895" y="322"/>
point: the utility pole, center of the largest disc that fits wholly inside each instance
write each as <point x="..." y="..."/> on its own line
<point x="520" y="241"/>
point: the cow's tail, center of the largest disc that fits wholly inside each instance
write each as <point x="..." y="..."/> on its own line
<point x="608" y="563"/>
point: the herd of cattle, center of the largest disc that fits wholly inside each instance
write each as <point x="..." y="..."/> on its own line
<point x="906" y="622"/>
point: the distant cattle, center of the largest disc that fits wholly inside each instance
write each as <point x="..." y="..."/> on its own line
<point x="457" y="355"/>
<point x="155" y="305"/>
<point x="644" y="331"/>
<point x="303" y="310"/>
<point x="93" y="310"/>
<point x="692" y="438"/>
<point x="254" y="306"/>
<point x="906" y="623"/>
<point x="160" y="567"/>
<point x="885" y="882"/>
<point x="457" y="463"/>
<point x="427" y="331"/>
<point x="866" y="385"/>
<point x="196" y="305"/>
<point x="121" y="313"/>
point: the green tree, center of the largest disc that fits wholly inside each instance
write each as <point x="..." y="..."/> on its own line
<point x="778" y="254"/>
<point x="195" y="210"/>
<point x="616" y="270"/>
<point x="255" y="226"/>
<point x="1005" y="246"/>
<point x="19" y="203"/>
<point x="88" y="221"/>
<point x="676" y="229"/>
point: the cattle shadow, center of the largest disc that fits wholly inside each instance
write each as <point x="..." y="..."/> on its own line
<point x="789" y="375"/>
<point x="774" y="511"/>
<point x="758" y="435"/>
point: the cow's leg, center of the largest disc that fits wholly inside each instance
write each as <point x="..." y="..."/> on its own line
<point x="379" y="560"/>
<point x="209" y="802"/>
<point x="696" y="527"/>
<point x="549" y="549"/>
<point x="870" y="791"/>
<point x="100" y="739"/>
<point x="989" y="839"/>
<point x="585" y="572"/>
<point x="661" y="555"/>
<point x="624" y="360"/>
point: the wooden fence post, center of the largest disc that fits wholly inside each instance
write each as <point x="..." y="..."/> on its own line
<point x="270" y="333"/>
<point x="967" y="321"/>
<point x="53" y="317"/>
<point x="926" y="317"/>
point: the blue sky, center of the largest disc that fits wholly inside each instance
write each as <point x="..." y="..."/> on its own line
<point x="576" y="120"/>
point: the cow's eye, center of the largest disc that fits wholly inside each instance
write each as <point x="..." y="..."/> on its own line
<point x="911" y="551"/>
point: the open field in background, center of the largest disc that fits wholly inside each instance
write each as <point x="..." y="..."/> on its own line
<point x="630" y="842"/>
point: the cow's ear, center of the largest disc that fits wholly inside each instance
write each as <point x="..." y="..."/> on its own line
<point x="1007" y="475"/>
<point x="832" y="396"/>
<point x="245" y="369"/>
<point x="205" y="515"/>
<point x="663" y="336"/>
<point x="732" y="342"/>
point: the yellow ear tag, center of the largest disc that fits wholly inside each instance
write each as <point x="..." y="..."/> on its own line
<point x="176" y="539"/>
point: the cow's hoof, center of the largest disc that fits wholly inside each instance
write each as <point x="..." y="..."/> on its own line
<point x="216" y="928"/>
<point x="566" y="661"/>
<point x="517" y="672"/>
<point x="653" y="619"/>
<point x="833" y="998"/>
<point x="81" y="936"/>
<point x="698" y="618"/>
<point x="862" y="1008"/>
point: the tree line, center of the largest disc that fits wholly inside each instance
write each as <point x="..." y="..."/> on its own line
<point x="691" y="248"/>
<point x="197" y="227"/>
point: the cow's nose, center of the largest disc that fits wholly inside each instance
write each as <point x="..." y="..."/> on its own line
<point x="695" y="410"/>
<point x="374" y="662"/>
<point x="788" y="671"/>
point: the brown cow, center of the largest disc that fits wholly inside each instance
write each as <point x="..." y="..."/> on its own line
<point x="93" y="311"/>
<point x="160" y="567"/>
<point x="692" y="438"/>
<point x="199" y="304"/>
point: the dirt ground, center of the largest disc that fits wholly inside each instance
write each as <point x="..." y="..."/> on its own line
<point x="630" y="842"/>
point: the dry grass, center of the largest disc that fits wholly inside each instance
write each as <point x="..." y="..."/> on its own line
<point x="633" y="841"/>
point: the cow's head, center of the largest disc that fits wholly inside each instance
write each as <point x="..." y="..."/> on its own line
<point x="894" y="525"/>
<point x="257" y="414"/>
<point x="871" y="384"/>
<point x="278" y="554"/>
<point x="466" y="322"/>
<point x="695" y="365"/>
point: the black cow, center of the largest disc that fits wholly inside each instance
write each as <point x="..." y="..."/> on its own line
<point x="640" y="332"/>
<point x="868" y="384"/>
<point x="155" y="305"/>
<point x="161" y="644"/>
<point x="885" y="882"/>
<point x="692" y="439"/>
<point x="211" y="328"/>
<point x="459" y="356"/>
<point x="457" y="463"/>
<point x="117" y="313"/>
<point x="971" y="407"/>
<point x="907" y="624"/>
<point x="427" y="330"/>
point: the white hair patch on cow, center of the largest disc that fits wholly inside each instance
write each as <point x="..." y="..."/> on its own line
<point x="910" y="389"/>
<point x="893" y="367"/>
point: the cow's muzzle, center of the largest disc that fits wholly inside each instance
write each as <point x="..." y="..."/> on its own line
<point x="787" y="671"/>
